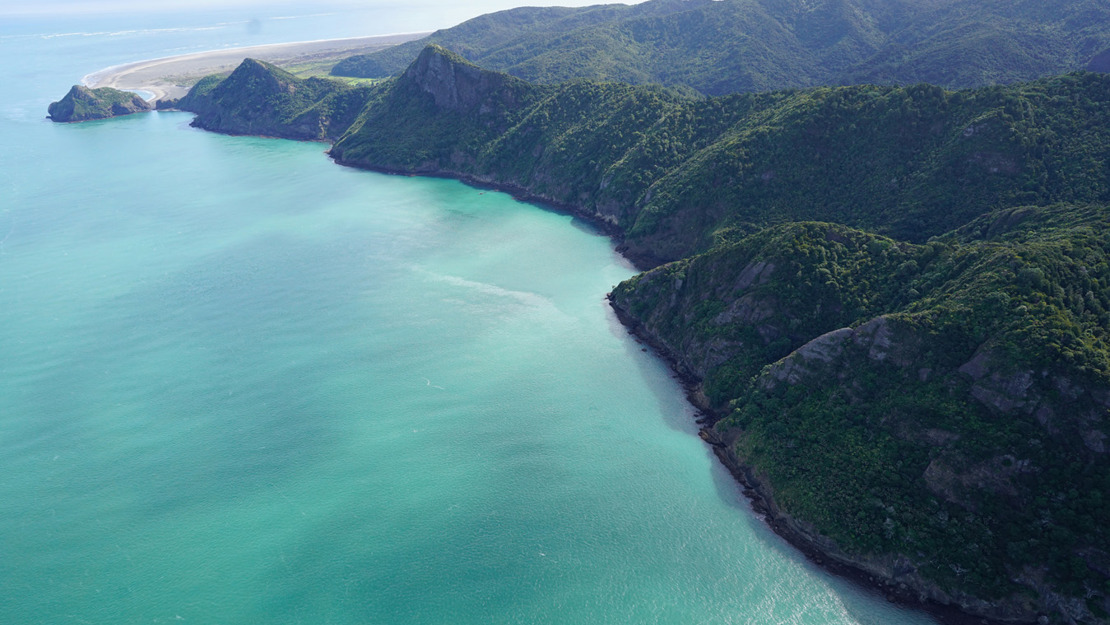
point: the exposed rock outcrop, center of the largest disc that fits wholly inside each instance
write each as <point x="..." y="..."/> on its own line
<point x="455" y="84"/>
<point x="944" y="449"/>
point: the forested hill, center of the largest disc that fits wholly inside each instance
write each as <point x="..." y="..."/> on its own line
<point x="894" y="298"/>
<point x="678" y="175"/>
<point x="731" y="46"/>
<point x="935" y="415"/>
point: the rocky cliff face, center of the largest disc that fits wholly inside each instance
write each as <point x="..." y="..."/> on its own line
<point x="722" y="316"/>
<point x="440" y="116"/>
<point x="457" y="85"/>
<point x="965" y="477"/>
<point x="935" y="440"/>
<point x="83" y="104"/>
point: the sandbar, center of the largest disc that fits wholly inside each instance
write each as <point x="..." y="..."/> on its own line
<point x="171" y="77"/>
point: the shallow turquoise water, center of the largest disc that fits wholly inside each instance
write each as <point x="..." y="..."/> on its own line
<point x="241" y="384"/>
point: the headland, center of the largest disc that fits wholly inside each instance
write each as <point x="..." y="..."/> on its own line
<point x="171" y="77"/>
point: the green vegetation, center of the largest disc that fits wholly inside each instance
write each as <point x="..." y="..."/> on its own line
<point x="261" y="99"/>
<point x="786" y="285"/>
<point x="735" y="46"/>
<point x="678" y="173"/>
<point x="897" y="298"/>
<point x="403" y="129"/>
<point x="959" y="425"/>
<point x="83" y="104"/>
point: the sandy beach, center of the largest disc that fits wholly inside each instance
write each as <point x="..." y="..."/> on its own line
<point x="170" y="77"/>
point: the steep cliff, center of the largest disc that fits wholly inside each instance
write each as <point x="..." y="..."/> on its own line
<point x="725" y="314"/>
<point x="940" y="415"/>
<point x="677" y="174"/>
<point x="83" y="104"/>
<point x="440" y="116"/>
<point x="261" y="99"/>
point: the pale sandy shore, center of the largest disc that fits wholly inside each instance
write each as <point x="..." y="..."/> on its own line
<point x="170" y="77"/>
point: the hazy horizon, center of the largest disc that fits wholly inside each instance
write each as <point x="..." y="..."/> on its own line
<point x="256" y="22"/>
<point x="448" y="10"/>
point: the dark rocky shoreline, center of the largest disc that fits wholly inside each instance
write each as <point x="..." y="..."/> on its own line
<point x="763" y="504"/>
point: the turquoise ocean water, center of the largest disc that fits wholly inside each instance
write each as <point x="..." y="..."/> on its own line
<point x="240" y="384"/>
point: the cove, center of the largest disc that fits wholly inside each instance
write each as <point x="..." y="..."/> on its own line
<point x="241" y="384"/>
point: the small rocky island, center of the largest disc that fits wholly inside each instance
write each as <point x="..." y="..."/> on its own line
<point x="83" y="104"/>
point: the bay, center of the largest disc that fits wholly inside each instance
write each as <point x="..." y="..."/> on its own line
<point x="241" y="384"/>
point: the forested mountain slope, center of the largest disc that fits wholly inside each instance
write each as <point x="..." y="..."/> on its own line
<point x="261" y="99"/>
<point x="677" y="174"/>
<point x="83" y="104"/>
<point x="933" y="414"/>
<point x="731" y="46"/>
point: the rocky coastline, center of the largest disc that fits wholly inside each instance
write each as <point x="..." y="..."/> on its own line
<point x="475" y="102"/>
<point x="819" y="551"/>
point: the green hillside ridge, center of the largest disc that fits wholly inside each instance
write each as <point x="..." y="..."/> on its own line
<point x="895" y="298"/>
<point x="675" y="174"/>
<point x="85" y="104"/>
<point x="938" y="411"/>
<point x="732" y="46"/>
<point x="508" y="34"/>
<point x="259" y="98"/>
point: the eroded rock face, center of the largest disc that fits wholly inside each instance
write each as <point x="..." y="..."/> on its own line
<point x="995" y="475"/>
<point x="1053" y="400"/>
<point x="1001" y="391"/>
<point x="457" y="85"/>
<point x="876" y="338"/>
<point x="746" y="309"/>
<point x="808" y="358"/>
<point x="453" y="86"/>
<point x="1054" y="409"/>
<point x="84" y="104"/>
<point x="749" y="307"/>
<point x="1095" y="440"/>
